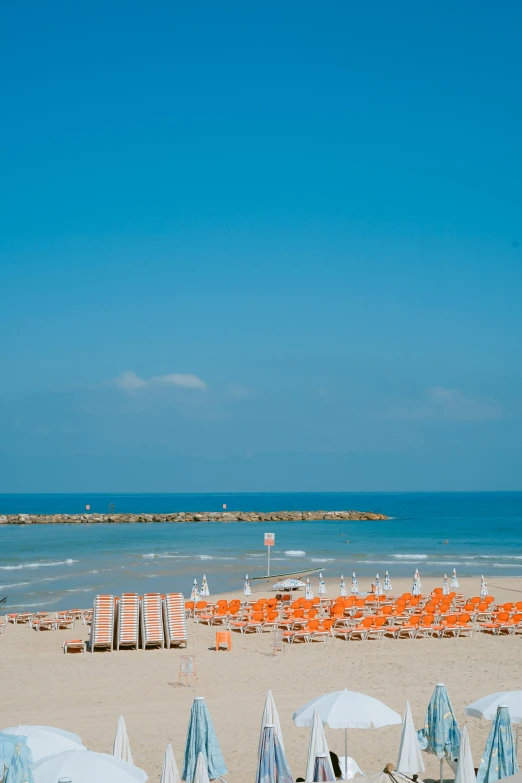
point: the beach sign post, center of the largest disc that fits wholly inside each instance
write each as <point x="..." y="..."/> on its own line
<point x="269" y="542"/>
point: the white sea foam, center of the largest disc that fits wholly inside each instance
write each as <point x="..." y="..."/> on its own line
<point x="412" y="557"/>
<point x="69" y="561"/>
<point x="294" y="552"/>
<point x="151" y="554"/>
<point x="505" y="565"/>
<point x="79" y="590"/>
<point x="204" y="557"/>
<point x="322" y="559"/>
<point x="378" y="562"/>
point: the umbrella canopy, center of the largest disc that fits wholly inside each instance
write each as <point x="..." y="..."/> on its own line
<point x="389" y="775"/>
<point x="169" y="771"/>
<point x="205" y="592"/>
<point x="316" y="745"/>
<point x="323" y="768"/>
<point x="45" y="741"/>
<point x="194" y="596"/>
<point x="355" y="587"/>
<point x="289" y="584"/>
<point x="347" y="710"/>
<point x="410" y="759"/>
<point x="121" y="748"/>
<point x="441" y="734"/>
<point x="272" y="766"/>
<point x="270" y="718"/>
<point x="378" y="586"/>
<point x="483" y="587"/>
<point x="85" y="766"/>
<point x="454" y="580"/>
<point x="322" y="586"/>
<point x="201" y="773"/>
<point x="247" y="589"/>
<point x="309" y="593"/>
<point x="387" y="583"/>
<point x="445" y="586"/>
<point x="342" y="587"/>
<point x="202" y="738"/>
<point x="15" y="759"/>
<point x="465" y="769"/>
<point x="487" y="706"/>
<point x="499" y="758"/>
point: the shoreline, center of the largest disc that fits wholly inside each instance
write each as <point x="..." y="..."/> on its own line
<point x="188" y="516"/>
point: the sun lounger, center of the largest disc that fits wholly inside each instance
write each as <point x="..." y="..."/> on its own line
<point x="175" y="620"/>
<point x="152" y="621"/>
<point x="102" y="626"/>
<point x="74" y="644"/>
<point x="128" y="620"/>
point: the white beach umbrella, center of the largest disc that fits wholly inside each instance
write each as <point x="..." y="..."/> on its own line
<point x="342" y="587"/>
<point x="45" y="741"/>
<point x="389" y="775"/>
<point x="316" y="745"/>
<point x="410" y="758"/>
<point x="201" y="771"/>
<point x="454" y="580"/>
<point x="487" y="706"/>
<point x="355" y="587"/>
<point x="170" y="771"/>
<point x="270" y="718"/>
<point x="378" y="586"/>
<point x="415" y="590"/>
<point x="483" y="587"/>
<point x="417" y="574"/>
<point x="309" y="593"/>
<point x="121" y="748"/>
<point x="322" y="586"/>
<point x="347" y="710"/>
<point x="85" y="767"/>
<point x="387" y="583"/>
<point x="445" y="586"/>
<point x="465" y="772"/>
<point x="246" y="589"/>
<point x="194" y="596"/>
<point x="205" y="592"/>
<point x="288" y="584"/>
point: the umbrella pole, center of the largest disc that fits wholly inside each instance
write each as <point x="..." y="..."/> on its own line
<point x="516" y="741"/>
<point x="346" y="754"/>
<point x="441" y="771"/>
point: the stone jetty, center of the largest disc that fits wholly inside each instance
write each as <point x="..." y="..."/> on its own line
<point x="188" y="516"/>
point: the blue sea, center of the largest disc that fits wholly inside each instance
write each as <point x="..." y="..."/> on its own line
<point x="64" y="566"/>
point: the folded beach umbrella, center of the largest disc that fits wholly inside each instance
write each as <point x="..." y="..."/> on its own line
<point x="417" y="574"/>
<point x="454" y="580"/>
<point x="378" y="586"/>
<point x="309" y="593"/>
<point x="121" y="748"/>
<point x="389" y="775"/>
<point x="205" y="592"/>
<point x="45" y="741"/>
<point x="347" y="710"/>
<point x="445" y="586"/>
<point x="246" y="589"/>
<point x="317" y="745"/>
<point x="499" y="759"/>
<point x="202" y="738"/>
<point x="270" y="718"/>
<point x="15" y="759"/>
<point x="387" y="583"/>
<point x="201" y="772"/>
<point x="483" y="587"/>
<point x="169" y="771"/>
<point x="85" y="767"/>
<point x="416" y="587"/>
<point x="410" y="758"/>
<point x="465" y="768"/>
<point x="441" y="734"/>
<point x="355" y="587"/>
<point x="272" y="766"/>
<point x="342" y="587"/>
<point x="322" y="586"/>
<point x="194" y="596"/>
<point x="323" y="768"/>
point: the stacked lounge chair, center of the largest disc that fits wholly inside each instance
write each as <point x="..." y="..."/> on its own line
<point x="175" y="619"/>
<point x="128" y="621"/>
<point x="152" y="620"/>
<point x="102" y="627"/>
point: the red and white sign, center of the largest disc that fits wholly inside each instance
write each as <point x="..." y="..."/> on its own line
<point x="269" y="539"/>
<point x="87" y="507"/>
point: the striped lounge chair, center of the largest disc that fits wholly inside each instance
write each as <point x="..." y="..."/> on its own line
<point x="175" y="620"/>
<point x="152" y="621"/>
<point x="102" y="626"/>
<point x="128" y="621"/>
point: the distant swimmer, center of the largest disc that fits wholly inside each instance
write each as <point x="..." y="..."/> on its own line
<point x="445" y="541"/>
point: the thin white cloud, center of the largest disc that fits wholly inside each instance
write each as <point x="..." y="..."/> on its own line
<point x="130" y="382"/>
<point x="440" y="402"/>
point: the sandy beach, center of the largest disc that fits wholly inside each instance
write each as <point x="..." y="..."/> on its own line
<point x="86" y="693"/>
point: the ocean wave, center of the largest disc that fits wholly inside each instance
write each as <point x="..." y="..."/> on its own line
<point x="322" y="559"/>
<point x="504" y="557"/>
<point x="80" y="589"/>
<point x="15" y="584"/>
<point x="151" y="554"/>
<point x="294" y="552"/>
<point x="444" y="563"/>
<point x="411" y="557"/>
<point x="505" y="565"/>
<point x="204" y="557"/>
<point x="378" y="562"/>
<point x="69" y="561"/>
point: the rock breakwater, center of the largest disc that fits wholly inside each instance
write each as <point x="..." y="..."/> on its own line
<point x="188" y="516"/>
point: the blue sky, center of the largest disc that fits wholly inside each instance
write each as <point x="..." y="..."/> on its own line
<point x="255" y="247"/>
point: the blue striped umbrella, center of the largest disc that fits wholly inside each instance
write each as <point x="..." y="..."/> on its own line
<point x="202" y="738"/>
<point x="499" y="759"/>
<point x="272" y="766"/>
<point x="15" y="759"/>
<point x="441" y="734"/>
